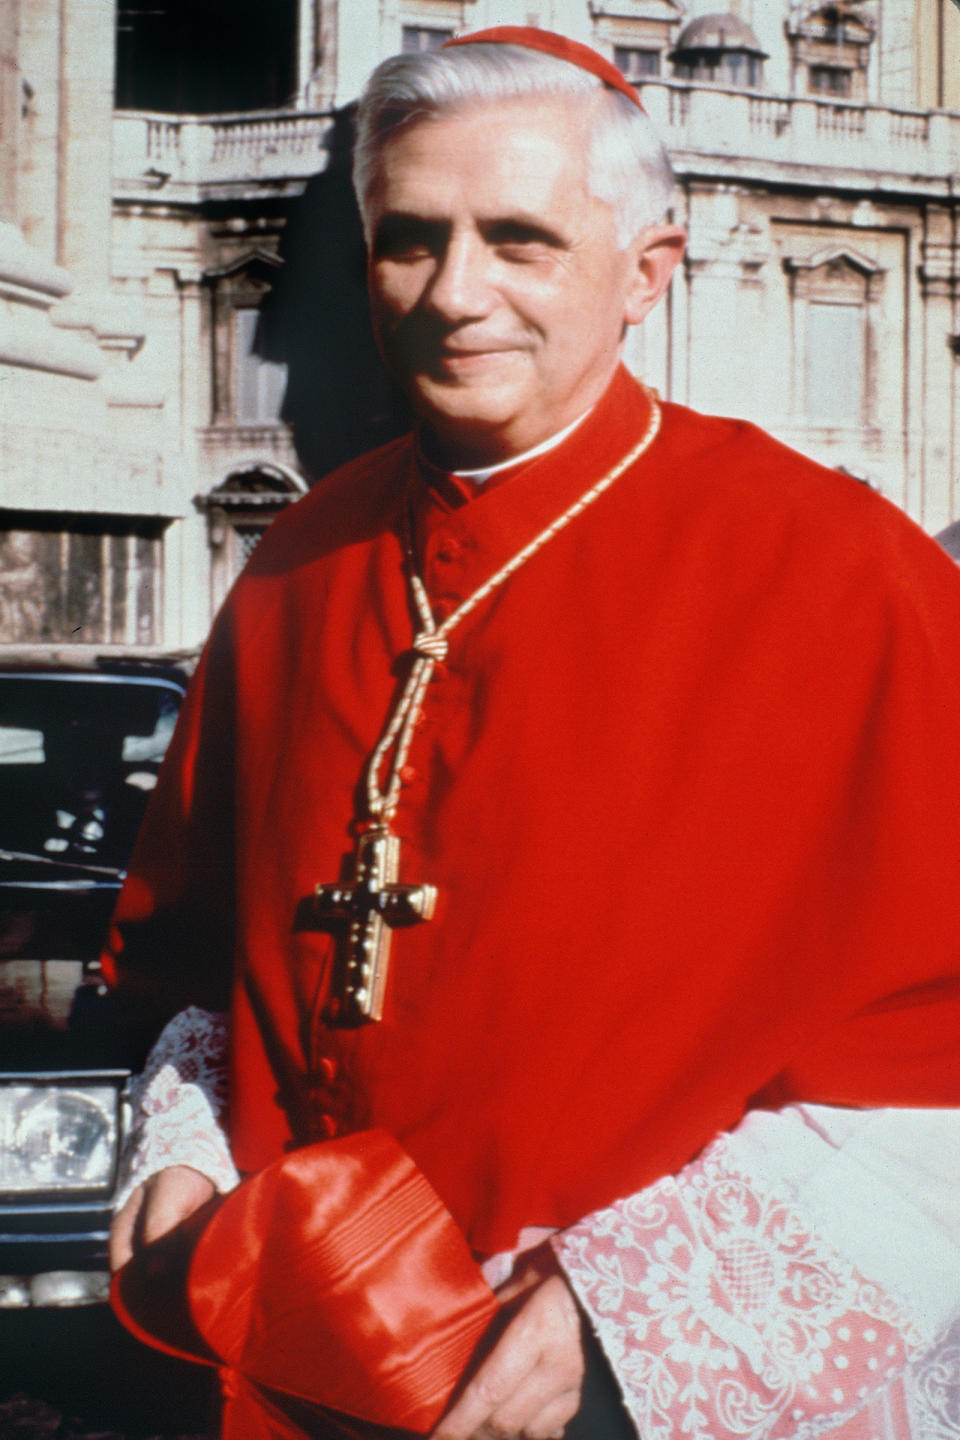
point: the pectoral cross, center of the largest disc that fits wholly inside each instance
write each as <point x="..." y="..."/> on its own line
<point x="368" y="906"/>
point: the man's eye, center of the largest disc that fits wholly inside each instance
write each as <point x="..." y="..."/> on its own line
<point x="520" y="242"/>
<point x="411" y="250"/>
<point x="405" y="242"/>
<point x="522" y="250"/>
<point x="402" y="253"/>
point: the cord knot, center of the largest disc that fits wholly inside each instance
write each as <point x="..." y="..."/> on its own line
<point x="432" y="644"/>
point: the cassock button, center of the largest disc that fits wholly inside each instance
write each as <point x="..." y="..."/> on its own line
<point x="327" y="1126"/>
<point x="450" y="550"/>
<point x="407" y="773"/>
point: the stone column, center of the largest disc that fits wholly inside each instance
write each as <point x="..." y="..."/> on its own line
<point x="308" y="51"/>
<point x="360" y="42"/>
<point x="10" y="104"/>
<point x="187" y="551"/>
<point x="37" y="179"/>
<point x="322" y="51"/>
<point x="724" y="263"/>
<point x="84" y="190"/>
<point x="939" y="275"/>
<point x="84" y="174"/>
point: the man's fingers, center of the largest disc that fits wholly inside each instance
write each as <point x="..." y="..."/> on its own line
<point x="529" y="1384"/>
<point x="505" y="1368"/>
<point x="155" y="1207"/>
<point x="536" y="1410"/>
<point x="548" y="1421"/>
<point x="123" y="1228"/>
<point x="171" y="1196"/>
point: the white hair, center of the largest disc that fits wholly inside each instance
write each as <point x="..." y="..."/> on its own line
<point x="627" y="165"/>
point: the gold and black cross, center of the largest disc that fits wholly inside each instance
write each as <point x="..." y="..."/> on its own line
<point x="365" y="909"/>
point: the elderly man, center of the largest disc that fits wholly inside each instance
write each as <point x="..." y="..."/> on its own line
<point x="569" y="792"/>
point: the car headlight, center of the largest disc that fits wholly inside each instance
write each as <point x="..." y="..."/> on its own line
<point x="58" y="1136"/>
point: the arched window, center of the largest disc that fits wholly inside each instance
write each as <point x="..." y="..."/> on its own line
<point x="239" y="510"/>
<point x="719" y="50"/>
<point x="834" y="295"/>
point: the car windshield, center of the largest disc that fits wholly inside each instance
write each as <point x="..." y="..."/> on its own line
<point x="79" y="755"/>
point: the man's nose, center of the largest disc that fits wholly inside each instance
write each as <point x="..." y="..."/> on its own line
<point x="460" y="287"/>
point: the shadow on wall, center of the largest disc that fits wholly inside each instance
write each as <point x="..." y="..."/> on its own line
<point x="339" y="400"/>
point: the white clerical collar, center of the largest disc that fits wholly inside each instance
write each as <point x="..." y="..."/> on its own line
<point x="480" y="477"/>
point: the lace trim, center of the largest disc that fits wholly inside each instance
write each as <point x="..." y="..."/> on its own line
<point x="933" y="1390"/>
<point x="178" y="1103"/>
<point x="722" y="1314"/>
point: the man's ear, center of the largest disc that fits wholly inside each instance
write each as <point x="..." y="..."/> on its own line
<point x="656" y="252"/>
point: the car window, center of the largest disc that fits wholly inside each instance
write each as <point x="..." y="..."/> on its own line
<point x="20" y="747"/>
<point x="79" y="755"/>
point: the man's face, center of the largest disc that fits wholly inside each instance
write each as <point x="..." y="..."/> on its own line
<point x="499" y="293"/>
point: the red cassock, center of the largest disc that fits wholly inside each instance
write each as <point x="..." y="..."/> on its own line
<point x="688" y="786"/>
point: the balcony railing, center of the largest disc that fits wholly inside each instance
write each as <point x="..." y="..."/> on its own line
<point x="227" y="153"/>
<point x="804" y="132"/>
<point x="213" y="151"/>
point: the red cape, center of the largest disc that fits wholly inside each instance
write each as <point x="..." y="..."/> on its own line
<point x="688" y="787"/>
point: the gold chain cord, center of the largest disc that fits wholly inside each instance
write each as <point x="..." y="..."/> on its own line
<point x="430" y="644"/>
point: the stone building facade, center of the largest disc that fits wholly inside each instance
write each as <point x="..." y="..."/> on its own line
<point x="182" y="342"/>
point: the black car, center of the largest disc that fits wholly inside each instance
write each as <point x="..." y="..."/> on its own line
<point x="80" y="745"/>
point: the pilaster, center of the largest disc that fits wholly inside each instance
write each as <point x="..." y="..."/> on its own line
<point x="725" y="260"/>
<point x="939" y="278"/>
<point x="11" y="104"/>
<point x="360" y="43"/>
<point x="39" y="47"/>
<point x="85" y="185"/>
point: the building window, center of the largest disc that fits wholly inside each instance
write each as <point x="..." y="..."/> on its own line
<point x="260" y="383"/>
<point x="417" y="38"/>
<point x="247" y="539"/>
<point x="835" y="298"/>
<point x="836" y="352"/>
<point x="831" y="80"/>
<point x="720" y="50"/>
<point x="719" y="67"/>
<point x="84" y="579"/>
<point x="830" y="50"/>
<point x="238" y="511"/>
<point x="205" y="56"/>
<point x="636" y="64"/>
<point x="249" y="359"/>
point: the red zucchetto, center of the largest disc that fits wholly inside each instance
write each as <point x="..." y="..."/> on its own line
<point x="552" y="44"/>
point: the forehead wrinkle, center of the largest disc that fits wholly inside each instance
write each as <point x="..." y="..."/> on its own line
<point x="518" y="115"/>
<point x="441" y="181"/>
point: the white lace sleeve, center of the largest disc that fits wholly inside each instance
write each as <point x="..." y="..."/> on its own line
<point x="178" y="1103"/>
<point x="798" y="1279"/>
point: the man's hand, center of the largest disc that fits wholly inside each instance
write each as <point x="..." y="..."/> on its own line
<point x="528" y="1387"/>
<point x="155" y="1207"/>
